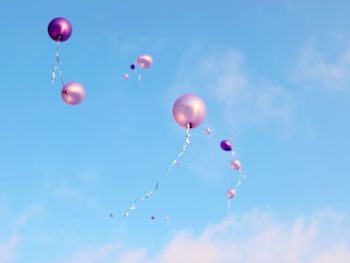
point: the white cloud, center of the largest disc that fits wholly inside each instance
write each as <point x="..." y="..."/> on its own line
<point x="8" y="249"/>
<point x="244" y="98"/>
<point x="249" y="238"/>
<point x="313" y="67"/>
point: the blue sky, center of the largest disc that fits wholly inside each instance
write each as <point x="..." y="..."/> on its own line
<point x="275" y="79"/>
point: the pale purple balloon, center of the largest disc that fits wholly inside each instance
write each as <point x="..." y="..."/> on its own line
<point x="236" y="165"/>
<point x="231" y="193"/>
<point x="73" y="93"/>
<point x="189" y="109"/>
<point x="226" y="145"/>
<point x="59" y="29"/>
<point x="144" y="61"/>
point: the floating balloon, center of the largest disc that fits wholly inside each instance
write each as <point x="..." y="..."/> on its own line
<point x="132" y="66"/>
<point x="125" y="76"/>
<point x="73" y="93"/>
<point x="226" y="145"/>
<point x="189" y="110"/>
<point x="236" y="165"/>
<point x="144" y="61"/>
<point x="59" y="29"/>
<point x="231" y="193"/>
<point x="207" y="131"/>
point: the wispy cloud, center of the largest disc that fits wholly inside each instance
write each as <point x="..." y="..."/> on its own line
<point x="252" y="237"/>
<point x="314" y="69"/>
<point x="243" y="97"/>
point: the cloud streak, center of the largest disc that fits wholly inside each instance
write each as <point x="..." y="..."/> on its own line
<point x="313" y="68"/>
<point x="244" y="98"/>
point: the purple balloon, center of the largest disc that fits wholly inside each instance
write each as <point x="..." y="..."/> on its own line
<point x="189" y="109"/>
<point x="226" y="145"/>
<point x="59" y="29"/>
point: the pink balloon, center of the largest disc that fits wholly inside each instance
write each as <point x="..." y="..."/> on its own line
<point x="73" y="93"/>
<point x="144" y="61"/>
<point x="235" y="164"/>
<point x="125" y="76"/>
<point x="231" y="193"/>
<point x="207" y="131"/>
<point x="189" y="109"/>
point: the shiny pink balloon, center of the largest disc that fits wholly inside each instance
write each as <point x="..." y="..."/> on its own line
<point x="189" y="109"/>
<point x="236" y="165"/>
<point x="144" y="61"/>
<point x="73" y="93"/>
<point x="231" y="193"/>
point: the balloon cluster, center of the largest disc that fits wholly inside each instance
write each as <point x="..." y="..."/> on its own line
<point x="144" y="61"/>
<point x="60" y="30"/>
<point x="189" y="110"/>
<point x="235" y="165"/>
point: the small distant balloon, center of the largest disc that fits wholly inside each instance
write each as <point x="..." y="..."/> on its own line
<point x="226" y="145"/>
<point x="144" y="61"/>
<point x="132" y="66"/>
<point x="231" y="193"/>
<point x="189" y="110"/>
<point x="125" y="76"/>
<point x="236" y="165"/>
<point x="207" y="131"/>
<point x="153" y="218"/>
<point x="73" y="93"/>
<point x="59" y="29"/>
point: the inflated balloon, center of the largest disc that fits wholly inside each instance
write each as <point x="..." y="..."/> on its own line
<point x="125" y="76"/>
<point x="226" y="145"/>
<point x="73" y="93"/>
<point x="231" y="193"/>
<point x="132" y="66"/>
<point x="189" y="110"/>
<point x="236" y="165"/>
<point x="59" y="29"/>
<point x="144" y="61"/>
<point x="207" y="131"/>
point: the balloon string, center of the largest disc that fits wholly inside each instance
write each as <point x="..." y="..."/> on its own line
<point x="58" y="66"/>
<point x="156" y="187"/>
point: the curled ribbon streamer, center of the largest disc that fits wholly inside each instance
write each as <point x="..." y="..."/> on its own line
<point x="58" y="66"/>
<point x="152" y="192"/>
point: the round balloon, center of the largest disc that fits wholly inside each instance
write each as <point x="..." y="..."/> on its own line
<point x="73" y="93"/>
<point x="226" y="145"/>
<point x="59" y="29"/>
<point x="236" y="165"/>
<point x="189" y="109"/>
<point x="231" y="193"/>
<point x="144" y="61"/>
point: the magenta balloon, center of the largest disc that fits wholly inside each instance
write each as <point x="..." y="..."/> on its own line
<point x="73" y="93"/>
<point x="144" y="61"/>
<point x="189" y="109"/>
<point x="59" y="29"/>
<point x="226" y="145"/>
